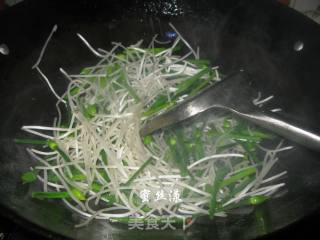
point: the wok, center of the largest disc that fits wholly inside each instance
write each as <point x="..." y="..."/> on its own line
<point x="258" y="36"/>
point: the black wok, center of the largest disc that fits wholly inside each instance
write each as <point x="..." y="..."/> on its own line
<point x="258" y="36"/>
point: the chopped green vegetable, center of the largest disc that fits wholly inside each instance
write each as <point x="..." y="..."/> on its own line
<point x="78" y="194"/>
<point x="213" y="189"/>
<point x="63" y="155"/>
<point x="185" y="85"/>
<point x="52" y="144"/>
<point x="240" y="175"/>
<point x="200" y="62"/>
<point x="30" y="141"/>
<point x="147" y="140"/>
<point x="124" y="82"/>
<point x="176" y="156"/>
<point x="50" y="195"/>
<point x="255" y="200"/>
<point x="90" y="111"/>
<point x="29" y="177"/>
<point x="136" y="174"/>
<point x="104" y="156"/>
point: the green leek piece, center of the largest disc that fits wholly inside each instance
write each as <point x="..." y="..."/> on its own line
<point x="176" y="155"/>
<point x="256" y="200"/>
<point x="50" y="195"/>
<point x="29" y="177"/>
<point x="58" y="195"/>
<point x="136" y="174"/>
<point x="90" y="111"/>
<point x="52" y="145"/>
<point x="238" y="176"/>
<point x="124" y="82"/>
<point x="78" y="194"/>
<point x="213" y="189"/>
<point x="200" y="63"/>
<point x="63" y="155"/>
<point x="185" y="85"/>
<point x="147" y="140"/>
<point x="104" y="157"/>
<point x="30" y="141"/>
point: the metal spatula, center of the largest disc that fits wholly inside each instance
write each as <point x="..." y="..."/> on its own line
<point x="233" y="94"/>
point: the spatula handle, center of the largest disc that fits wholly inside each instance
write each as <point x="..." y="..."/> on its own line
<point x="275" y="123"/>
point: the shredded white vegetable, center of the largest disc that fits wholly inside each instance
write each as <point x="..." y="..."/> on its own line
<point x="100" y="149"/>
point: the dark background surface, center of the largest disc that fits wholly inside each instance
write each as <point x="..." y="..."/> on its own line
<point x="23" y="20"/>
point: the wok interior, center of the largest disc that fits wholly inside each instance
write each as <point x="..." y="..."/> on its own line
<point x="231" y="41"/>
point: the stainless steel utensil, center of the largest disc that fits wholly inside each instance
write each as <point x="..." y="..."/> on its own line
<point x="233" y="94"/>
